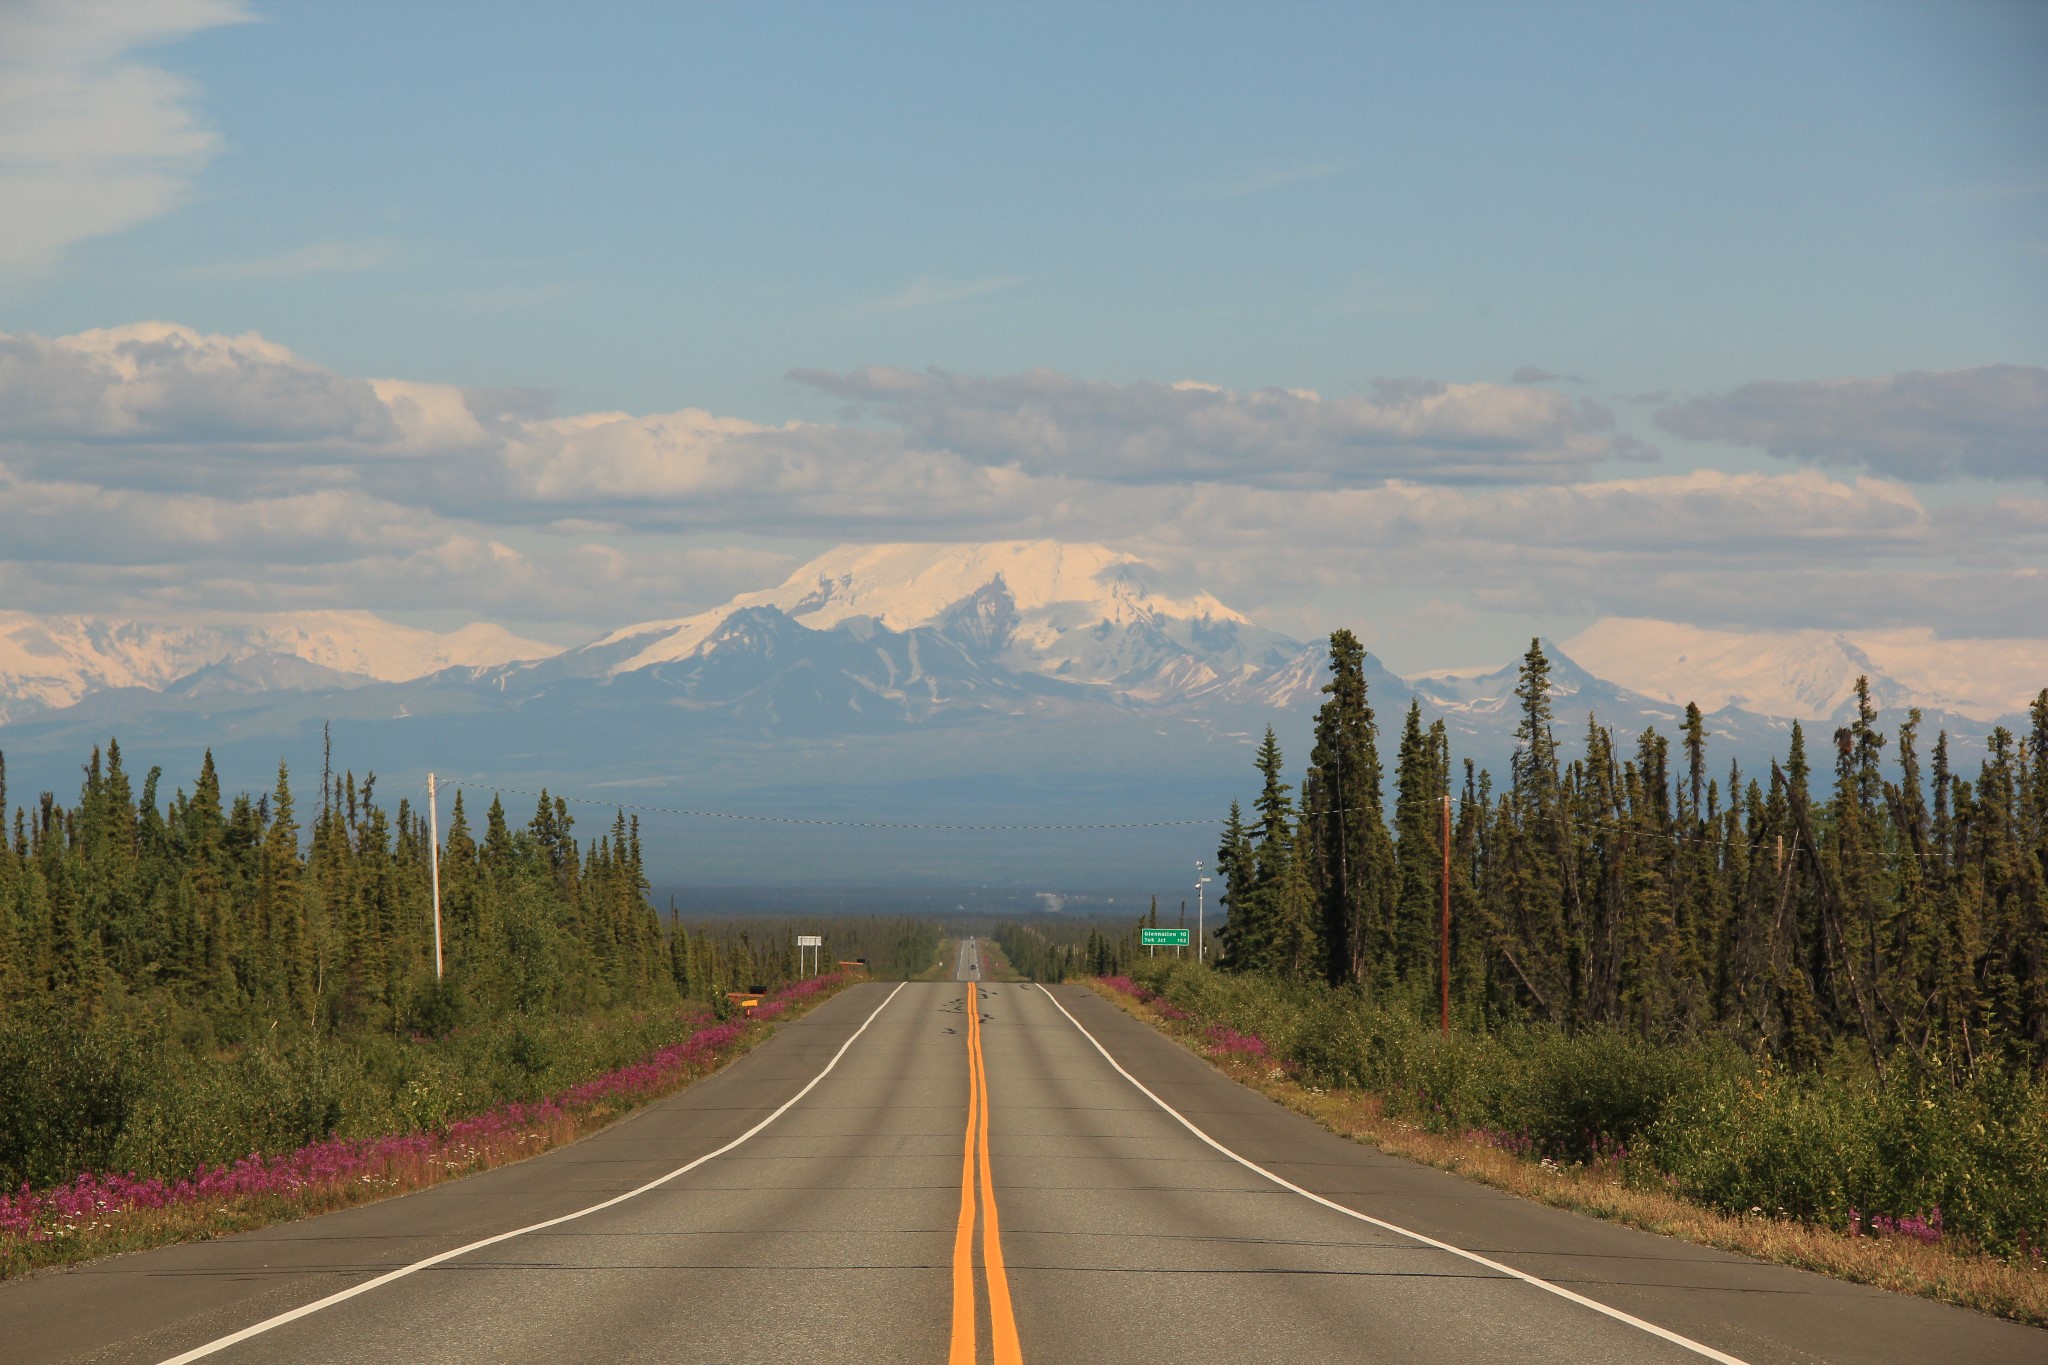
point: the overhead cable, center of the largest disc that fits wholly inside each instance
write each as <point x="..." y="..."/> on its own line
<point x="843" y="824"/>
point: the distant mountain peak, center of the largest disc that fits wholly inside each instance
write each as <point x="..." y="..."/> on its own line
<point x="910" y="585"/>
<point x="54" y="661"/>
<point x="1811" y="674"/>
<point x="1078" y="612"/>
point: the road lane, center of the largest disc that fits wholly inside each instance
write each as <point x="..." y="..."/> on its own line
<point x="833" y="1220"/>
<point x="471" y="1252"/>
<point x="967" y="964"/>
<point x="836" y="1219"/>
<point x="1125" y="1226"/>
<point x="1130" y="1224"/>
<point x="1004" y="1348"/>
<point x="841" y="1231"/>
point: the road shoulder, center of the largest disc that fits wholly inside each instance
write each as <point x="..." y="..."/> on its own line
<point x="1752" y="1309"/>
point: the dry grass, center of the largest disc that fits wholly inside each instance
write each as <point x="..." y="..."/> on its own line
<point x="1946" y="1272"/>
<point x="140" y="1229"/>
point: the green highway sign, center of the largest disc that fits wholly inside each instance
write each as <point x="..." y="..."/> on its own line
<point x="1162" y="938"/>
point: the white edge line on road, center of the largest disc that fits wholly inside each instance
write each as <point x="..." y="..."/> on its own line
<point x="222" y="1343"/>
<point x="1652" y="1328"/>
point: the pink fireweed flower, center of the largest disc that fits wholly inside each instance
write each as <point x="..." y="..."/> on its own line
<point x="1123" y="985"/>
<point x="31" y="1215"/>
<point x="1227" y="1041"/>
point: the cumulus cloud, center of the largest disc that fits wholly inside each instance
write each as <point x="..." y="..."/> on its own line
<point x="1044" y="422"/>
<point x="156" y="406"/>
<point x="93" y="140"/>
<point x="1990" y="422"/>
<point x="152" y="465"/>
<point x="1699" y="518"/>
<point x="1797" y="549"/>
<point x="70" y="522"/>
<point x="156" y="383"/>
<point x="151" y="552"/>
<point x="692" y="466"/>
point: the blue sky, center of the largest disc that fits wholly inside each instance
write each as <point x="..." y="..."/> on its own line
<point x="646" y="209"/>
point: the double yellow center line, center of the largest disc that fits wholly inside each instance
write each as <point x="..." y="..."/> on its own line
<point x="1002" y="1321"/>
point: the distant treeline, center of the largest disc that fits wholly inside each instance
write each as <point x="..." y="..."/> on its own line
<point x="893" y="947"/>
<point x="185" y="979"/>
<point x="236" y="915"/>
<point x="240" y="919"/>
<point x="1637" y="888"/>
<point x="1053" y="949"/>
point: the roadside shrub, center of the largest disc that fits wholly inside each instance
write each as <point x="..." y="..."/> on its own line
<point x="1915" y="1156"/>
<point x="1578" y="1096"/>
<point x="1841" y="1150"/>
<point x="67" y="1084"/>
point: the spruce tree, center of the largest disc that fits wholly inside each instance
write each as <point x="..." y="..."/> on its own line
<point x="1418" y="846"/>
<point x="1348" y="856"/>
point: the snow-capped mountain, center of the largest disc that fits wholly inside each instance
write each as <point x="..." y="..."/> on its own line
<point x="53" y="661"/>
<point x="1811" y="674"/>
<point x="1078" y="613"/>
<point x="1490" y="693"/>
<point x="1027" y="682"/>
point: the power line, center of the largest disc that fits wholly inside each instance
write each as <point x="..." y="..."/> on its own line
<point x="819" y="822"/>
<point x="840" y="824"/>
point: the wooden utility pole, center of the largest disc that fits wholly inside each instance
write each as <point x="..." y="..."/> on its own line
<point x="1444" y="1018"/>
<point x="434" y="859"/>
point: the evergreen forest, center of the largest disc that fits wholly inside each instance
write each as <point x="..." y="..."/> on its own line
<point x="190" y="979"/>
<point x="1866" y="896"/>
<point x="1816" y="993"/>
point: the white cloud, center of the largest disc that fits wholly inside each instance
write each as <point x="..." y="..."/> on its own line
<point x="68" y="547"/>
<point x="93" y="141"/>
<point x="152" y="463"/>
<point x="1619" y="530"/>
<point x="157" y="383"/>
<point x="1044" y="422"/>
<point x="1990" y="422"/>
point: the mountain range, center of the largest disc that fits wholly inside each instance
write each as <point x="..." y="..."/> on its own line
<point x="49" y="662"/>
<point x="1026" y="682"/>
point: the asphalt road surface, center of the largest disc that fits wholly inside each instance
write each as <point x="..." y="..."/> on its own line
<point x="954" y="1172"/>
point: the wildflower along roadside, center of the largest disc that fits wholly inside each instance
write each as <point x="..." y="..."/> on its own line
<point x="95" y="1214"/>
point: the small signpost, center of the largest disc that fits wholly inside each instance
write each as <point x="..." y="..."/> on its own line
<point x="816" y="943"/>
<point x="1162" y="938"/>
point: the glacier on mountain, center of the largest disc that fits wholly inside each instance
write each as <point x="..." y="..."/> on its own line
<point x="51" y="662"/>
<point x="1811" y="674"/>
<point x="1075" y="612"/>
<point x="1081" y="615"/>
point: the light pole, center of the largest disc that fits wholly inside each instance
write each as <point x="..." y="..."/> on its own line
<point x="1201" y="935"/>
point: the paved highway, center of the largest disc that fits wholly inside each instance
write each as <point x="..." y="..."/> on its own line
<point x="955" y="1172"/>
